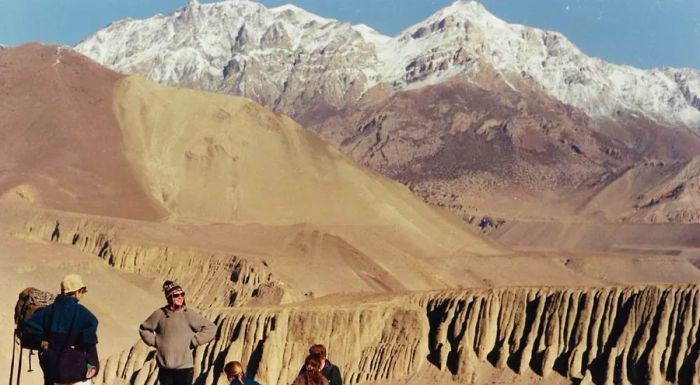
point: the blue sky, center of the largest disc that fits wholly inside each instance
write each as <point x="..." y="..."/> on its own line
<point x="642" y="33"/>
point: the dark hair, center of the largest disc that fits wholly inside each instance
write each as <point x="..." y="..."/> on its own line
<point x="318" y="350"/>
<point x="313" y="377"/>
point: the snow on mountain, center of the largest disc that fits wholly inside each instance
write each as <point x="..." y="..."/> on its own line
<point x="240" y="47"/>
<point x="688" y="81"/>
<point x="285" y="57"/>
<point x="601" y="89"/>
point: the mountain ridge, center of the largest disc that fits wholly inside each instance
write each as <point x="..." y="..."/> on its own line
<point x="520" y="53"/>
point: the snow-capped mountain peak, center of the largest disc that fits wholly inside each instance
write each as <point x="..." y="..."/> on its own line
<point x="285" y="56"/>
<point x="465" y="9"/>
<point x="297" y="15"/>
<point x="466" y="29"/>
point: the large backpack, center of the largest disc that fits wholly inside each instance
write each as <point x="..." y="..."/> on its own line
<point x="29" y="301"/>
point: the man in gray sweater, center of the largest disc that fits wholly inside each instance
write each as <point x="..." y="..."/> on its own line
<point x="174" y="330"/>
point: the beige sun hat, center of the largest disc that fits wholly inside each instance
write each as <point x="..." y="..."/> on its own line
<point x="71" y="283"/>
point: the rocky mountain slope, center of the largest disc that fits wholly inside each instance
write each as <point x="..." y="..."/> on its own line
<point x="473" y="114"/>
<point x="664" y="192"/>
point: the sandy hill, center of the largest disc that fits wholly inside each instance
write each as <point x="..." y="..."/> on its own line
<point x="227" y="159"/>
<point x="61" y="146"/>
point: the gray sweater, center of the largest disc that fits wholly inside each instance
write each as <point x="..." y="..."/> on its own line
<point x="174" y="334"/>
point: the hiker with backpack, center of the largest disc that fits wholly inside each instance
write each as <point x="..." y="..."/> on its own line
<point x="326" y="368"/>
<point x="236" y="375"/>
<point x="68" y="334"/>
<point x="174" y="330"/>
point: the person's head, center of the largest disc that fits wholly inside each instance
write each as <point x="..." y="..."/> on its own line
<point x="174" y="294"/>
<point x="72" y="285"/>
<point x="312" y="370"/>
<point x="312" y="364"/>
<point x="234" y="370"/>
<point x="319" y="351"/>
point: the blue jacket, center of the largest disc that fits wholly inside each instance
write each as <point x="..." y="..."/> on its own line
<point x="53" y="321"/>
<point x="62" y="324"/>
<point x="246" y="381"/>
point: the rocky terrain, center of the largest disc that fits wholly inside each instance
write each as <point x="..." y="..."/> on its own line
<point x="491" y="120"/>
<point x="284" y="241"/>
<point x="605" y="336"/>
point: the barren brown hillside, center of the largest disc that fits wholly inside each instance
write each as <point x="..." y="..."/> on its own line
<point x="60" y="144"/>
<point x="652" y="192"/>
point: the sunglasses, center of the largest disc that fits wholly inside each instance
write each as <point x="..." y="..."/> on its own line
<point x="177" y="295"/>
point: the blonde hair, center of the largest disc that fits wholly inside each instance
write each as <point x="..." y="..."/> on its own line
<point x="234" y="370"/>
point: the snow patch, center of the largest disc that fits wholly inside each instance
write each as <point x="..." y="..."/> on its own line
<point x="371" y="36"/>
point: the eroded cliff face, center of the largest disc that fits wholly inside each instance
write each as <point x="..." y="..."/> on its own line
<point x="618" y="335"/>
<point x="214" y="279"/>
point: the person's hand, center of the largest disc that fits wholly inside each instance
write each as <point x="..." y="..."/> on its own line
<point x="91" y="371"/>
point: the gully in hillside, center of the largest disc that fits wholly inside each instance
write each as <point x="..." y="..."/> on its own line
<point x="174" y="330"/>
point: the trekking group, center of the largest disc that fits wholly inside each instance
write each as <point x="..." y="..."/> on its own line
<point x="65" y="334"/>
